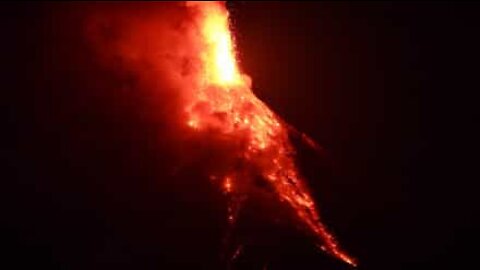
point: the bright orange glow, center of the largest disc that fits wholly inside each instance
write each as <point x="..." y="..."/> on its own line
<point x="219" y="57"/>
<point x="227" y="184"/>
<point x="224" y="103"/>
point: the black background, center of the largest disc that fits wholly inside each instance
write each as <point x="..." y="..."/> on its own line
<point x="388" y="89"/>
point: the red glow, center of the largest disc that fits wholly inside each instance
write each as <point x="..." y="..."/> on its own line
<point x="223" y="102"/>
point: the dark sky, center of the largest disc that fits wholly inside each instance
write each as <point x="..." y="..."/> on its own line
<point x="388" y="89"/>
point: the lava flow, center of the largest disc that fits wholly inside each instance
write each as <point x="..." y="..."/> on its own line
<point x="223" y="103"/>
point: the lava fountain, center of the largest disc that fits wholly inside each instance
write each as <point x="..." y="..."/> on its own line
<point x="224" y="104"/>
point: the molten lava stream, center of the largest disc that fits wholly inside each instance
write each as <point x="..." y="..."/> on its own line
<point x="223" y="103"/>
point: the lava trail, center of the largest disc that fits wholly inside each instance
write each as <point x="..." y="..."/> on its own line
<point x="221" y="102"/>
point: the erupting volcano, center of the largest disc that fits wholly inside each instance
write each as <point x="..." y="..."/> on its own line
<point x="222" y="103"/>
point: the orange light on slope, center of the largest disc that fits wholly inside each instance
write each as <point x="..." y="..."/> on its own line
<point x="224" y="103"/>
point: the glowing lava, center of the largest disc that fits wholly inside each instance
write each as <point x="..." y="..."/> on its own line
<point x="224" y="104"/>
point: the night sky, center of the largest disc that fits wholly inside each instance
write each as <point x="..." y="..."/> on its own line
<point x="387" y="89"/>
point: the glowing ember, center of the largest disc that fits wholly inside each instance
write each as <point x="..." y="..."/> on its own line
<point x="224" y="103"/>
